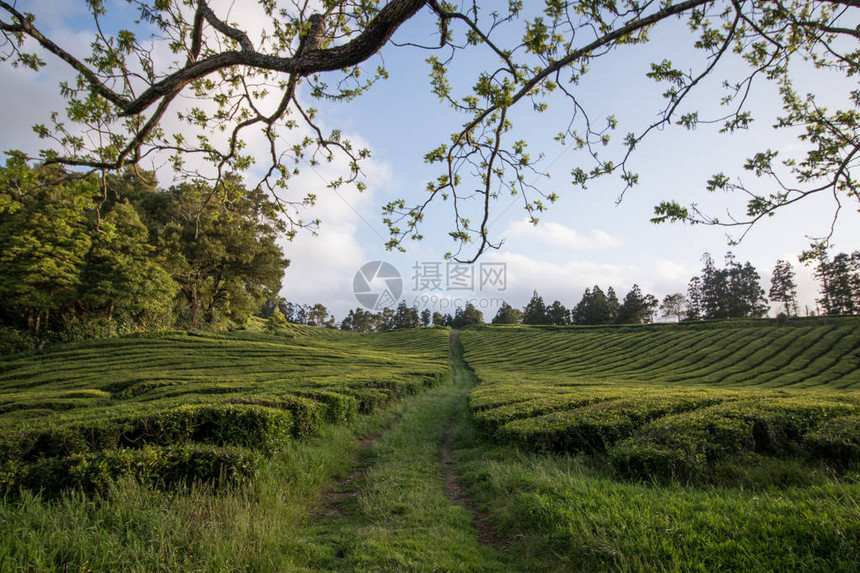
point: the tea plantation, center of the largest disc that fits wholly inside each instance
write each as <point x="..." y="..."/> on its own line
<point x="674" y="401"/>
<point x="695" y="447"/>
<point x="188" y="407"/>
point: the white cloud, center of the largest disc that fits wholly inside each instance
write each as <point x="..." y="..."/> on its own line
<point x="563" y="281"/>
<point x="322" y="267"/>
<point x="670" y="271"/>
<point x="558" y="235"/>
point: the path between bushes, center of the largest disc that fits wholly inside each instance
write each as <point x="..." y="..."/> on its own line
<point x="463" y="377"/>
<point x="403" y="506"/>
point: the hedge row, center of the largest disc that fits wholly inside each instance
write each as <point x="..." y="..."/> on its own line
<point x="597" y="424"/>
<point x="671" y="433"/>
<point x="221" y="440"/>
<point x="216" y="424"/>
<point x="492" y="420"/>
<point x="686" y="445"/>
<point x="167" y="466"/>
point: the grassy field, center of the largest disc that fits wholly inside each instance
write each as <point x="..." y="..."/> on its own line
<point x="660" y="448"/>
<point x="185" y="407"/>
<point x="674" y="401"/>
<point x="671" y="447"/>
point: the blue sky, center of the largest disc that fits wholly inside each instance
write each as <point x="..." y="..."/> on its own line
<point x="584" y="239"/>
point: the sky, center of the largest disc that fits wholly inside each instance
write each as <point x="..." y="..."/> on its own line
<point x="587" y="238"/>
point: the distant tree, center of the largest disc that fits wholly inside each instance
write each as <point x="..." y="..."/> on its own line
<point x="121" y="278"/>
<point x="387" y="319"/>
<point x="224" y="256"/>
<point x="508" y="315"/>
<point x="426" y="317"/>
<point x="467" y="316"/>
<point x="578" y="312"/>
<point x="44" y="241"/>
<point x="613" y="304"/>
<point x="783" y="288"/>
<point x="535" y="311"/>
<point x="730" y="292"/>
<point x="348" y="322"/>
<point x="361" y="320"/>
<point x="593" y="308"/>
<point x="637" y="308"/>
<point x="268" y="307"/>
<point x="439" y="319"/>
<point x="289" y="309"/>
<point x="406" y="316"/>
<point x="840" y="283"/>
<point x="318" y="315"/>
<point x="714" y="290"/>
<point x="558" y="314"/>
<point x="746" y="296"/>
<point x="674" y="306"/>
<point x="694" y="299"/>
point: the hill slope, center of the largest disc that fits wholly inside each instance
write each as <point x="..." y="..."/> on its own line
<point x="194" y="406"/>
<point x="674" y="401"/>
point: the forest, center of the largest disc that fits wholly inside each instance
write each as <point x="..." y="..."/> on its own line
<point x="84" y="258"/>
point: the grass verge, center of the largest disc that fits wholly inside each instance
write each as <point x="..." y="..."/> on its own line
<point x="567" y="513"/>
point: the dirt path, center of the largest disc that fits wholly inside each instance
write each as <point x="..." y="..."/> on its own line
<point x="332" y="501"/>
<point x="402" y="506"/>
<point x="457" y="494"/>
<point x="462" y="375"/>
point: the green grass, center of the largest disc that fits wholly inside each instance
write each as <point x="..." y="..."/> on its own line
<point x="185" y="407"/>
<point x="606" y="457"/>
<point x="396" y="516"/>
<point x="565" y="515"/>
<point x="673" y="401"/>
<point x="139" y="527"/>
<point x="617" y="463"/>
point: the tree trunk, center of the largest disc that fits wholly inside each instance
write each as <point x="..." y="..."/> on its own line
<point x="195" y="307"/>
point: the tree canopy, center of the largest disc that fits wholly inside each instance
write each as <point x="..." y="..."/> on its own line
<point x="730" y="292"/>
<point x="153" y="258"/>
<point x="227" y="82"/>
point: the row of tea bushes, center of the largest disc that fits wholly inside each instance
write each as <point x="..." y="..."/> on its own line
<point x="671" y="402"/>
<point x="208" y="407"/>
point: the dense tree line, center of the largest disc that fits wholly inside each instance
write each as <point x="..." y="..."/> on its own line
<point x="595" y="307"/>
<point x="75" y="260"/>
<point x="289" y="312"/>
<point x="405" y="316"/>
<point x="733" y="291"/>
<point x="840" y="283"/>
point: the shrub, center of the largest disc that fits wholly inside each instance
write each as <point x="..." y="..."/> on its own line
<point x="600" y="423"/>
<point x="687" y="443"/>
<point x="165" y="466"/>
<point x="12" y="341"/>
<point x="836" y="439"/>
<point x="218" y="424"/>
<point x="339" y="407"/>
